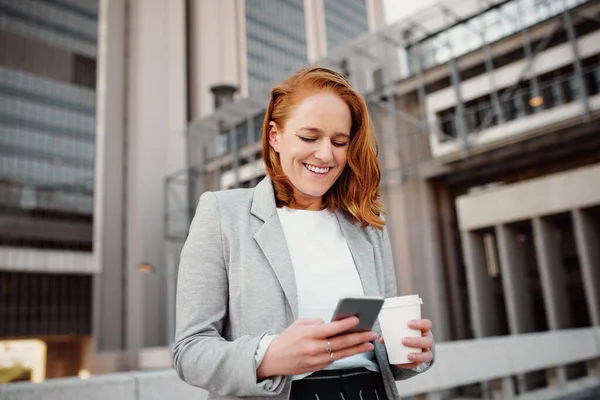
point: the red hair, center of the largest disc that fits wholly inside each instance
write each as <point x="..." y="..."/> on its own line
<point x="356" y="191"/>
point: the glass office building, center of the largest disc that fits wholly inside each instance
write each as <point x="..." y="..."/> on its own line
<point x="47" y="128"/>
<point x="276" y="40"/>
<point x="344" y="20"/>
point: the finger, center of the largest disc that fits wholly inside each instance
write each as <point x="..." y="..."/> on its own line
<point x="347" y="352"/>
<point x="351" y="339"/>
<point x="424" y="342"/>
<point x="420" y="358"/>
<point x="424" y="325"/>
<point x="381" y="340"/>
<point x="309" y="321"/>
<point x="336" y="327"/>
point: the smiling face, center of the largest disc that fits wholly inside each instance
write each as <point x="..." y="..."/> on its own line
<point x="313" y="146"/>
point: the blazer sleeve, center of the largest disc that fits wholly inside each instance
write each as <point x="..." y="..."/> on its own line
<point x="392" y="291"/>
<point x="201" y="356"/>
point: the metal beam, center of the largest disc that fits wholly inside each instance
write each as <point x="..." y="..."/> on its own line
<point x="393" y="111"/>
<point x="406" y="116"/>
<point x="588" y="17"/>
<point x="235" y="149"/>
<point x="456" y="84"/>
<point x="585" y="99"/>
<point x="422" y="93"/>
<point x="526" y="70"/>
<point x="489" y="68"/>
<point x="250" y="129"/>
<point x="192" y="188"/>
<point x="217" y="169"/>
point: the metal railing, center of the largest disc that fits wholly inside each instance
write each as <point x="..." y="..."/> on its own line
<point x="523" y="102"/>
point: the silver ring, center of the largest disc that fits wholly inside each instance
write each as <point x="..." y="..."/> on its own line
<point x="328" y="349"/>
<point x="331" y="356"/>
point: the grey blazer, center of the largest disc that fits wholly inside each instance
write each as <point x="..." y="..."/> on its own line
<point x="236" y="284"/>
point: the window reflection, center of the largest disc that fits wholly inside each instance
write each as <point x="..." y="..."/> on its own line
<point x="495" y="23"/>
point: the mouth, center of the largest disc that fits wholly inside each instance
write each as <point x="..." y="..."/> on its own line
<point x="321" y="171"/>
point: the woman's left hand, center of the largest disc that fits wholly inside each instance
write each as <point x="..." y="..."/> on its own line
<point x="425" y="342"/>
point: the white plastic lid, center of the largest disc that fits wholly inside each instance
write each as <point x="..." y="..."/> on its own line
<point x="402" y="301"/>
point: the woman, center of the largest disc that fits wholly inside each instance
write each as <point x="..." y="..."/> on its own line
<point x="263" y="268"/>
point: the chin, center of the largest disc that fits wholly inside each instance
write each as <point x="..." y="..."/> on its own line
<point x="314" y="192"/>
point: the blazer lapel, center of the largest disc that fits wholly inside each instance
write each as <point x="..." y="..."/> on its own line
<point x="271" y="240"/>
<point x="362" y="253"/>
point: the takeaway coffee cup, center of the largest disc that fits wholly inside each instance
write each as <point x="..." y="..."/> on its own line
<point x="393" y="319"/>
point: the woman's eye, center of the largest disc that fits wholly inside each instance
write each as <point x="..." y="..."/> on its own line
<point x="307" y="139"/>
<point x="338" y="144"/>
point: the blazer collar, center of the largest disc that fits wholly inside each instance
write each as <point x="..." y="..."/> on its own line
<point x="271" y="239"/>
<point x="263" y="202"/>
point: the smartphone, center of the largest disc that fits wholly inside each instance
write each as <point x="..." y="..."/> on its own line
<point x="365" y="308"/>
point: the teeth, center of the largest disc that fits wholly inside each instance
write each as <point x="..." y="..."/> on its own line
<point x="317" y="170"/>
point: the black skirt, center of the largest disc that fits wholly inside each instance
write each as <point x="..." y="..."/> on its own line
<point x="343" y="384"/>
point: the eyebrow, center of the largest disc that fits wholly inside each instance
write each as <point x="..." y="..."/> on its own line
<point x="320" y="132"/>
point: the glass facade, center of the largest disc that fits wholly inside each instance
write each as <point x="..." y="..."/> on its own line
<point x="344" y="20"/>
<point x="276" y="40"/>
<point x="47" y="122"/>
<point x="488" y="27"/>
<point x="555" y="88"/>
<point x="54" y="304"/>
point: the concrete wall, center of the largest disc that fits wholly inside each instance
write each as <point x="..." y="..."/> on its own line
<point x="537" y="197"/>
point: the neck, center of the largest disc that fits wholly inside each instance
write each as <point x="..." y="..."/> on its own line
<point x="308" y="202"/>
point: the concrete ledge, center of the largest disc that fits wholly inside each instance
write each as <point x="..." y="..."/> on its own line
<point x="157" y="385"/>
<point x="471" y="361"/>
<point x="457" y="364"/>
<point x="113" y="386"/>
<point x="155" y="358"/>
<point x="161" y="385"/>
<point x="537" y="197"/>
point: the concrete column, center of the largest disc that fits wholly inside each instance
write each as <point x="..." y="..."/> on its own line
<point x="417" y="249"/>
<point x="459" y="318"/>
<point x="481" y="294"/>
<point x="502" y="389"/>
<point x="587" y="236"/>
<point x="547" y="248"/>
<point x="316" y="32"/>
<point x="375" y="14"/>
<point x="514" y="281"/>
<point x="548" y="254"/>
<point x="156" y="88"/>
<point x="435" y="282"/>
<point x="215" y="33"/>
<point x="108" y="252"/>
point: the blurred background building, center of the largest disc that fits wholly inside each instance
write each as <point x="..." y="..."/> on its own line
<point x="487" y="117"/>
<point x="95" y="99"/>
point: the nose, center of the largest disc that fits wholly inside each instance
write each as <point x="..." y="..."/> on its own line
<point x="325" y="151"/>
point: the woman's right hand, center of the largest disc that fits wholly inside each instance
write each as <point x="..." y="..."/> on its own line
<point x="302" y="347"/>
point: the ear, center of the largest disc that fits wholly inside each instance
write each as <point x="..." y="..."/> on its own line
<point x="274" y="136"/>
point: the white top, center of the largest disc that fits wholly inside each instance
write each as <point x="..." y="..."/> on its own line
<point x="324" y="270"/>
